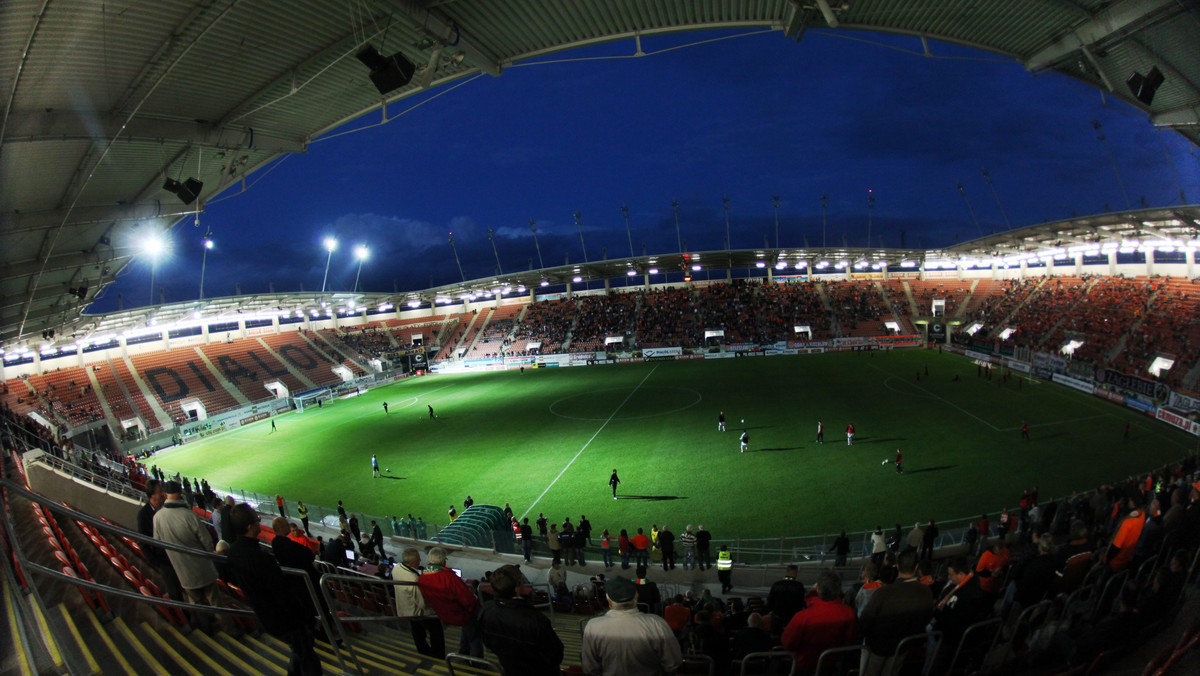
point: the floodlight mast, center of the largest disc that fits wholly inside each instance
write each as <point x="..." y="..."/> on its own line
<point x="533" y="229"/>
<point x="208" y="244"/>
<point x="678" y="237"/>
<point x="153" y="246"/>
<point x="361" y="253"/>
<point x="628" y="232"/>
<point x="775" y="203"/>
<point x="725" y="205"/>
<point x="330" y="246"/>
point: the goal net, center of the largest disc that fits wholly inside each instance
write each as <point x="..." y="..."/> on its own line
<point x="311" y="398"/>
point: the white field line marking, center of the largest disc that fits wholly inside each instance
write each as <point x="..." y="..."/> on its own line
<point x="589" y="443"/>
<point x="1056" y="422"/>
<point x="944" y="401"/>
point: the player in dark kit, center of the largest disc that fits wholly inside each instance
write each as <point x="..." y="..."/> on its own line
<point x="385" y="408"/>
<point x="1025" y="430"/>
<point x="431" y="416"/>
<point x="613" y="481"/>
<point x="721" y="421"/>
<point x="899" y="462"/>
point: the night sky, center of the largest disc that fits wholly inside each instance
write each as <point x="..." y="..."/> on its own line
<point x="749" y="117"/>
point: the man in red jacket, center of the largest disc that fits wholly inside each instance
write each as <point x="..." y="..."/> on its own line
<point x="452" y="600"/>
<point x="826" y="623"/>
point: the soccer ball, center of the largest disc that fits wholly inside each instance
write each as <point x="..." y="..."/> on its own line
<point x="885" y="461"/>
<point x="743" y="420"/>
<point x="387" y="469"/>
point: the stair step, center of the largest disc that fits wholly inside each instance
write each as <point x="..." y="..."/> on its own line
<point x="249" y="655"/>
<point x="201" y="641"/>
<point x="117" y="656"/>
<point x="181" y="649"/>
<point x="84" y="650"/>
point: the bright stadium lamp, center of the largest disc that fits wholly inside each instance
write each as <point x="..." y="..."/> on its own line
<point x="330" y="246"/>
<point x="155" y="246"/>
<point x="361" y="253"/>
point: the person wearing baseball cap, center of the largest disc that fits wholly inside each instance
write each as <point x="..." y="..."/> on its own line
<point x="626" y="642"/>
<point x="177" y="524"/>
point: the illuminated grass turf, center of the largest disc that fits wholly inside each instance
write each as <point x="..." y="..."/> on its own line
<point x="554" y="435"/>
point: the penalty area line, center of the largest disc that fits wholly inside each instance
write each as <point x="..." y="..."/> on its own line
<point x="589" y="442"/>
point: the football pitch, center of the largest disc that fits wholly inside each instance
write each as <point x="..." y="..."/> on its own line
<point x="546" y="440"/>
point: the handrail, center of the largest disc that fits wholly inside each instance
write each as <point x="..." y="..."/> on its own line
<point x="121" y="485"/>
<point x="25" y="564"/>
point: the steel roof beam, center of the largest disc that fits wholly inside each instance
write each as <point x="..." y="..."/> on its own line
<point x="438" y="25"/>
<point x="1112" y="19"/>
<point x="1179" y="117"/>
<point x="71" y="126"/>
<point x="79" y="216"/>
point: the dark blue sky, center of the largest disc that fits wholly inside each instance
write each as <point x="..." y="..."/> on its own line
<point x="747" y="117"/>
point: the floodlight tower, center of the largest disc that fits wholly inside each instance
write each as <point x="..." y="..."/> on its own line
<point x="208" y="244"/>
<point x="824" y="220"/>
<point x="628" y="232"/>
<point x="492" y="237"/>
<point x="533" y="229"/>
<point x="361" y="253"/>
<point x="678" y="237"/>
<point x="775" y="203"/>
<point x="458" y="262"/>
<point x="330" y="246"/>
<point x="579" y="224"/>
<point x="725" y="205"/>
<point x="154" y="246"/>
<point x="870" y="214"/>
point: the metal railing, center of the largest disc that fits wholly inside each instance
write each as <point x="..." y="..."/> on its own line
<point x="28" y="567"/>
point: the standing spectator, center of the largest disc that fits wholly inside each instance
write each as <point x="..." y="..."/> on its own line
<point x="542" y="522"/>
<point x="840" y="549"/>
<point x="410" y="603"/>
<point x="928" y="540"/>
<point x="878" y="546"/>
<point x="303" y="512"/>
<point x="553" y="543"/>
<point x="703" y="553"/>
<point x="155" y="556"/>
<point x="520" y="635"/>
<point x="687" y="543"/>
<point x="624" y="641"/>
<point x="641" y="549"/>
<point x="915" y="538"/>
<point x="527" y="539"/>
<point x="177" y="524"/>
<point x="354" y="529"/>
<point x="606" y="549"/>
<point x="725" y="569"/>
<point x="666" y="543"/>
<point x="279" y="503"/>
<point x="826" y="623"/>
<point x="895" y="611"/>
<point x="274" y="601"/>
<point x="625" y="547"/>
<point x="376" y="543"/>
<point x="585" y="527"/>
<point x="786" y="598"/>
<point x="452" y="600"/>
<point x="291" y="554"/>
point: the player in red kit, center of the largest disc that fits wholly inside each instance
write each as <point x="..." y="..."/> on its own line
<point x="850" y="434"/>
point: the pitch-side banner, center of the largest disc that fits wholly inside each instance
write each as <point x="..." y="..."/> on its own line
<point x="1184" y="403"/>
<point x="649" y="352"/>
<point x="1189" y="426"/>
<point x="1074" y="383"/>
<point x="1140" y="386"/>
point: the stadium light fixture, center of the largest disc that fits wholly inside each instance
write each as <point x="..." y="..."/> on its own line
<point x="577" y="279"/>
<point x="758" y="264"/>
<point x="361" y="253"/>
<point x="696" y="268"/>
<point x="331" y="245"/>
<point x="801" y="265"/>
<point x="414" y="303"/>
<point x="631" y="273"/>
<point x="155" y="247"/>
<point x="652" y="271"/>
<point x="544" y="283"/>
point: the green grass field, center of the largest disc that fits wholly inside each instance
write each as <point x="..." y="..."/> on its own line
<point x="547" y="440"/>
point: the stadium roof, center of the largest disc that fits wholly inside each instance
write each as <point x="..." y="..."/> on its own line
<point x="108" y="101"/>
